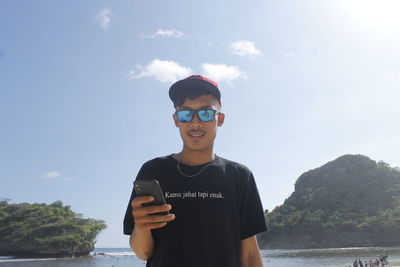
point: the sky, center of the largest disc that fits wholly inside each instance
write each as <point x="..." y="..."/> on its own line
<point x="84" y="92"/>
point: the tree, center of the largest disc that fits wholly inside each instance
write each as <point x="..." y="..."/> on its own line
<point x="351" y="201"/>
<point x="40" y="229"/>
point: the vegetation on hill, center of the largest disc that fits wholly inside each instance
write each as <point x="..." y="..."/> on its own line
<point x="45" y="230"/>
<point x="351" y="201"/>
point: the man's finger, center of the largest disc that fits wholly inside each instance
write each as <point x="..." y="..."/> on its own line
<point x="144" y="220"/>
<point x="145" y="211"/>
<point x="157" y="208"/>
<point x="138" y="201"/>
<point x="159" y="218"/>
<point x="156" y="225"/>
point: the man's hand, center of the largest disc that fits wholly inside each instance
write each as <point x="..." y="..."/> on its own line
<point x="144" y="220"/>
<point x="141" y="240"/>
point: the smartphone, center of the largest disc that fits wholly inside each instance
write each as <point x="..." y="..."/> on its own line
<point x="151" y="188"/>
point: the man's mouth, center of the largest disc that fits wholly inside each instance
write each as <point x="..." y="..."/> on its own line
<point x="196" y="133"/>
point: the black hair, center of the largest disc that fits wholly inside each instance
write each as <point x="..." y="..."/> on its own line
<point x="191" y="94"/>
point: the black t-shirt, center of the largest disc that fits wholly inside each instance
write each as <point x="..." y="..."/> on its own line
<point x="214" y="211"/>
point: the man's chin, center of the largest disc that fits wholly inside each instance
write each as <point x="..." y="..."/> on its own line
<point x="197" y="147"/>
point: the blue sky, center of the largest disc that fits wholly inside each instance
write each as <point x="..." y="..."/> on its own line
<point x="84" y="92"/>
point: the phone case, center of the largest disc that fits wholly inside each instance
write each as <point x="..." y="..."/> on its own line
<point x="152" y="188"/>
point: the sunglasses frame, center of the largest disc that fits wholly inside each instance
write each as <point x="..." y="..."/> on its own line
<point x="198" y="116"/>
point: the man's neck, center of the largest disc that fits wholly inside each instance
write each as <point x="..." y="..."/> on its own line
<point x="190" y="157"/>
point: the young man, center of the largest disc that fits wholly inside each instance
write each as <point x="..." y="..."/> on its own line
<point x="215" y="209"/>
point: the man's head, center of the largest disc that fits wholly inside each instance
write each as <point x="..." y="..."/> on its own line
<point x="192" y="87"/>
<point x="197" y="101"/>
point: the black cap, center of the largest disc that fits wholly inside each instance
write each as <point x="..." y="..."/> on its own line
<point x="194" y="82"/>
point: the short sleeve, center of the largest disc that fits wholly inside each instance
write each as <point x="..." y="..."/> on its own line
<point x="252" y="216"/>
<point x="129" y="223"/>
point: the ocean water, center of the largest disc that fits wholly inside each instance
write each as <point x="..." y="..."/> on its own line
<point x="113" y="257"/>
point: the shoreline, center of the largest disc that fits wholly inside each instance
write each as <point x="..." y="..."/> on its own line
<point x="264" y="252"/>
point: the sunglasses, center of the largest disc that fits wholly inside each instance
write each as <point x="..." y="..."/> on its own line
<point x="204" y="115"/>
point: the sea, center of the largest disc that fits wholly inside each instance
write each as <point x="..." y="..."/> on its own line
<point x="113" y="257"/>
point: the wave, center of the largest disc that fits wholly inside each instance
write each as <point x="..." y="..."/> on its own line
<point x="328" y="251"/>
<point x="127" y="253"/>
<point x="7" y="259"/>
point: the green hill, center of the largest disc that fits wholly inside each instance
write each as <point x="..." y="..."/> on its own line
<point x="45" y="230"/>
<point x="349" y="202"/>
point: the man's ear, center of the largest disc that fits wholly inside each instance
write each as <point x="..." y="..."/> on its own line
<point x="220" y="118"/>
<point x="175" y="120"/>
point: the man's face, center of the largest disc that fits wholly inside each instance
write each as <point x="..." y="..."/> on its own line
<point x="198" y="135"/>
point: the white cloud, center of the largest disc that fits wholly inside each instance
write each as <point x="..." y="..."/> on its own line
<point x="245" y="48"/>
<point x="222" y="72"/>
<point x="395" y="77"/>
<point x="55" y="176"/>
<point x="169" y="33"/>
<point x="288" y="55"/>
<point x="163" y="70"/>
<point x="161" y="33"/>
<point x="105" y="17"/>
<point x="51" y="175"/>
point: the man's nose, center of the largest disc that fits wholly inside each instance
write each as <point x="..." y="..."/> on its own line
<point x="195" y="123"/>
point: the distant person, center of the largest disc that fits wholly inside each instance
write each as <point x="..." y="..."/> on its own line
<point x="216" y="224"/>
<point x="360" y="263"/>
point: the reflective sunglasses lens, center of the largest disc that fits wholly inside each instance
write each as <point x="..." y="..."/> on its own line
<point x="185" y="115"/>
<point x="206" y="115"/>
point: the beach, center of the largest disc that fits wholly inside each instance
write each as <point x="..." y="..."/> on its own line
<point x="103" y="257"/>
